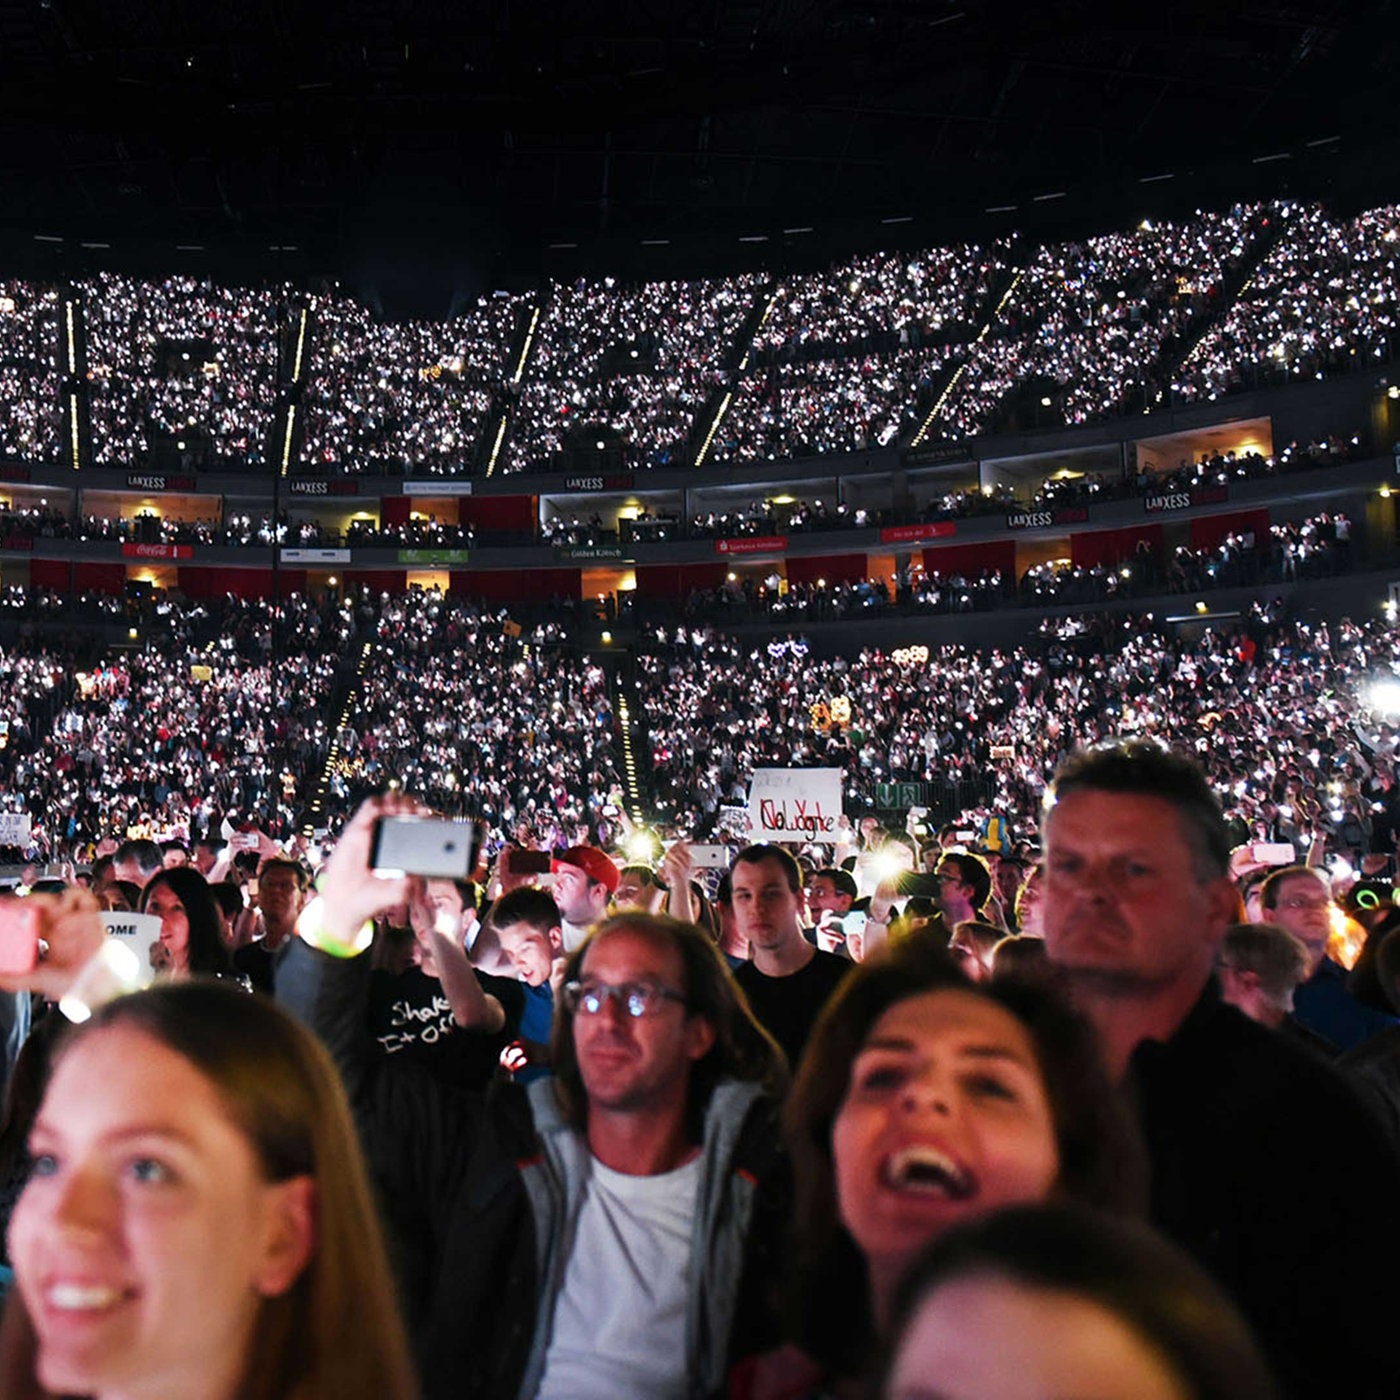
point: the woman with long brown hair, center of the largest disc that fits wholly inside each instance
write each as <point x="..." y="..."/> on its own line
<point x="925" y="1100"/>
<point x="198" y="1224"/>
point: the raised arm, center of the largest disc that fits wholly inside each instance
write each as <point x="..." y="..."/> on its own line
<point x="472" y="1008"/>
<point x="322" y="978"/>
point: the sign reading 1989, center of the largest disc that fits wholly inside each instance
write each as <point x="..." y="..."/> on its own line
<point x="599" y="483"/>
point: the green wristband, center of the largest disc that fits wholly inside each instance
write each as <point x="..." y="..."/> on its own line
<point x="311" y="930"/>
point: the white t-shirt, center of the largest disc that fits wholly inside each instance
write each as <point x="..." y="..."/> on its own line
<point x="619" y="1322"/>
<point x="573" y="934"/>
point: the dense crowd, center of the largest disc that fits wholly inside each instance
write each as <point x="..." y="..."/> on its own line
<point x="1090" y="328"/>
<point x="410" y="397"/>
<point x="815" y="407"/>
<point x="203" y="723"/>
<point x="1270" y="707"/>
<point x="29" y="416"/>
<point x="37" y="680"/>
<point x="628" y="364"/>
<point x="1325" y="300"/>
<point x="184" y="362"/>
<point x="462" y="707"/>
<point x="883" y="301"/>
<point x="959" y="340"/>
<point x="514" y="730"/>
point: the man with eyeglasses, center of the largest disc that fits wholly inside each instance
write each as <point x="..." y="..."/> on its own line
<point x="964" y="887"/>
<point x="615" y="1230"/>
<point x="1299" y="899"/>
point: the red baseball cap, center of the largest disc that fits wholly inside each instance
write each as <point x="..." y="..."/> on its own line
<point x="593" y="862"/>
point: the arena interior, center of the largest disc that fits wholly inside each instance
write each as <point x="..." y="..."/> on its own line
<point x="734" y="455"/>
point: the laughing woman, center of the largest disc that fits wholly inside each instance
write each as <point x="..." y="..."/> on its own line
<point x="925" y="1100"/>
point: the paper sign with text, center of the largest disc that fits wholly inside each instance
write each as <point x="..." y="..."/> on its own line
<point x="795" y="804"/>
<point x="141" y="932"/>
<point x="15" y="828"/>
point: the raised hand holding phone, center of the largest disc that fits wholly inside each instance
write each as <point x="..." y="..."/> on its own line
<point x="71" y="932"/>
<point x="19" y="936"/>
<point x="677" y="866"/>
<point x="352" y="893"/>
<point x="830" y="935"/>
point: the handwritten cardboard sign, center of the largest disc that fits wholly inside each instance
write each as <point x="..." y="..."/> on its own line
<point x="795" y="804"/>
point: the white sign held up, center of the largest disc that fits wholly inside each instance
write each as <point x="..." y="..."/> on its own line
<point x="794" y="804"/>
<point x="141" y="932"/>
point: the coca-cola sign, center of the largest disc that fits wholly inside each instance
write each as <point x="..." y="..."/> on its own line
<point x="157" y="551"/>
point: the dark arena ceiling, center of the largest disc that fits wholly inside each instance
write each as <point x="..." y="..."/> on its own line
<point x="461" y="145"/>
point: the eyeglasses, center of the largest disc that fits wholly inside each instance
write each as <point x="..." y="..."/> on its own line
<point x="1298" y="901"/>
<point x="635" y="998"/>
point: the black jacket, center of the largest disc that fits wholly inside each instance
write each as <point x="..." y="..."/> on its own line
<point x="1268" y="1167"/>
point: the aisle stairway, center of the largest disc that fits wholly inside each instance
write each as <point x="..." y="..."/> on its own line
<point x="634" y="744"/>
<point x="1232" y="288"/>
<point x="342" y="703"/>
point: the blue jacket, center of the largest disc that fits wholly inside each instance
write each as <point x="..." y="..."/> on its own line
<point x="1323" y="1004"/>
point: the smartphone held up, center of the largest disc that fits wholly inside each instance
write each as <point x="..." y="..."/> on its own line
<point x="20" y="944"/>
<point x="431" y="847"/>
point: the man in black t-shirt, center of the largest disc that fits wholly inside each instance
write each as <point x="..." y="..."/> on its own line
<point x="439" y="1010"/>
<point x="787" y="980"/>
<point x="409" y="1013"/>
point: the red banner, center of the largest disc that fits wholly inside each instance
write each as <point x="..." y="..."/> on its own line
<point x="907" y="534"/>
<point x="755" y="544"/>
<point x="158" y="551"/>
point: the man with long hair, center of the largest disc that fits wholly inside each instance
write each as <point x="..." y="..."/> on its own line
<point x="613" y="1230"/>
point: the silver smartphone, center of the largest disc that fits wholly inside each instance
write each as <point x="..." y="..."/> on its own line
<point x="711" y="857"/>
<point x="432" y="847"/>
